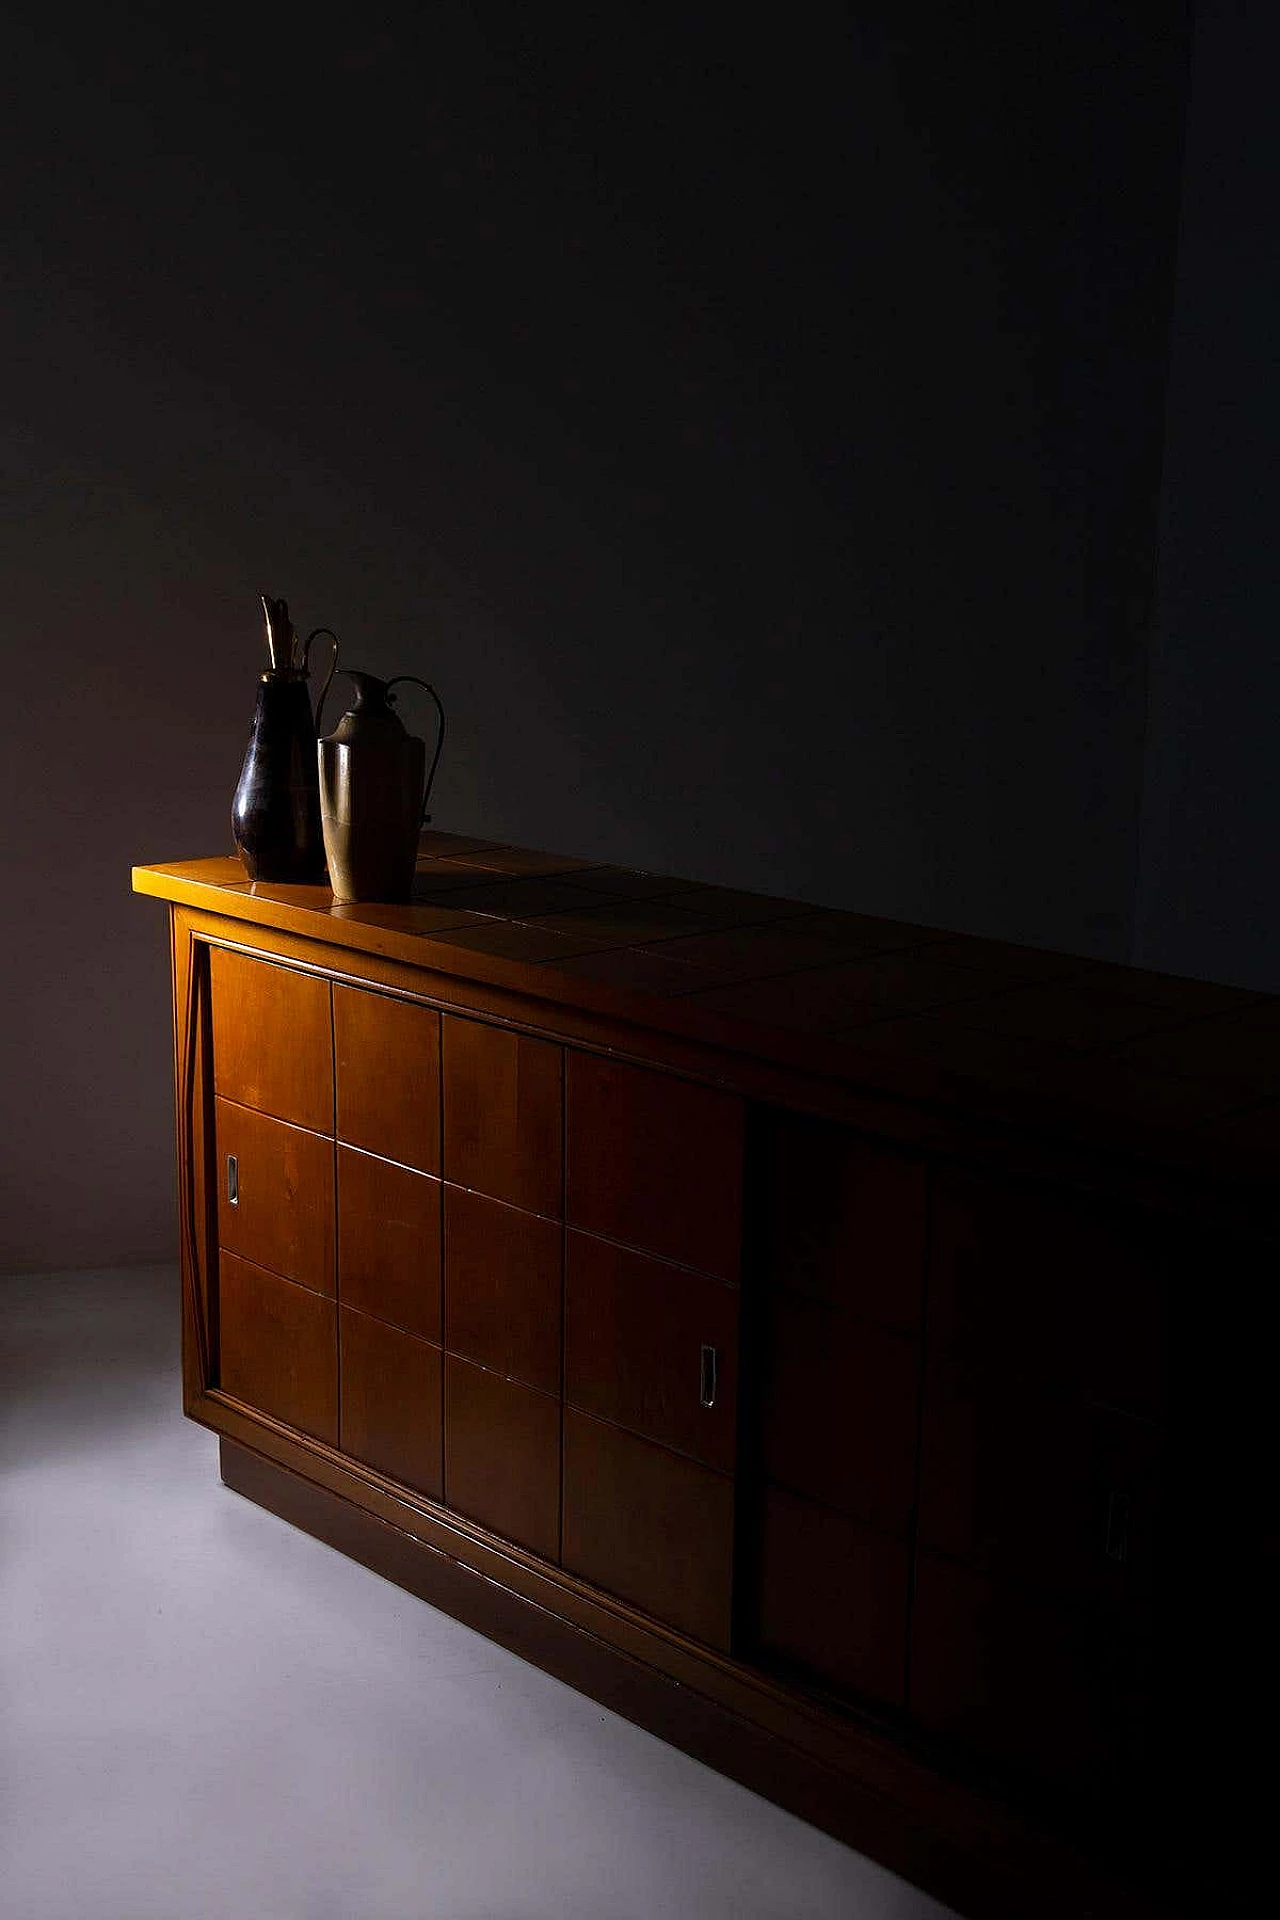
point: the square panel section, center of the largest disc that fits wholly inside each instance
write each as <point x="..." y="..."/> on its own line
<point x="387" y="1064"/>
<point x="391" y="1402"/>
<point x="503" y="1285"/>
<point x="503" y="1107"/>
<point x="649" y="1526"/>
<point x="847" y="1219"/>
<point x="839" y="1410"/>
<point x="652" y="1347"/>
<point x="272" y="1043"/>
<point x="275" y="1194"/>
<point x="389" y="1241"/>
<point x="502" y="1456"/>
<point x="656" y="1162"/>
<point x="833" y="1597"/>
<point x="278" y="1347"/>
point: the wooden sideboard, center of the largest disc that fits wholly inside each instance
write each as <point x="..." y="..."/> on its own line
<point x="843" y="1347"/>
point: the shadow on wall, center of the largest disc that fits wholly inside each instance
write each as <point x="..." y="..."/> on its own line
<point x="1206" y="893"/>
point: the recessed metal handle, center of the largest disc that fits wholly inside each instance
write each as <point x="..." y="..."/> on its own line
<point x="233" y="1181"/>
<point x="1116" y="1546"/>
<point x="707" y="1377"/>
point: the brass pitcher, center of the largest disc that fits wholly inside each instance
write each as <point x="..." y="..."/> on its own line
<point x="374" y="790"/>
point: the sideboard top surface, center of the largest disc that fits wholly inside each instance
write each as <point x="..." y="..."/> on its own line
<point x="1181" y="1072"/>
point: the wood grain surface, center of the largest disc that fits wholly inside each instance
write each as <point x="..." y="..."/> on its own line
<point x="655" y="1162"/>
<point x="503" y="1285"/>
<point x="847" y="1220"/>
<point x="389" y="1241"/>
<point x="649" y="1525"/>
<point x="503" y="1115"/>
<point x="283" y="1214"/>
<point x="833" y="1598"/>
<point x="387" y="1065"/>
<point x="278" y="1347"/>
<point x="391" y="1401"/>
<point x="502" y="1455"/>
<point x="839" y="1410"/>
<point x="271" y="1046"/>
<point x="1062" y="1047"/>
<point x="635" y="1328"/>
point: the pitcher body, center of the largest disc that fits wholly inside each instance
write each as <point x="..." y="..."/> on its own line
<point x="374" y="785"/>
<point x="275" y="816"/>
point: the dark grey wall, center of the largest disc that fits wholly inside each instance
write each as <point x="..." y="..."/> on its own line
<point x="1206" y="898"/>
<point x="756" y="438"/>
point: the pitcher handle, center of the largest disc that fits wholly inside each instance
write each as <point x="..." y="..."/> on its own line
<point x="435" y="758"/>
<point x="333" y="666"/>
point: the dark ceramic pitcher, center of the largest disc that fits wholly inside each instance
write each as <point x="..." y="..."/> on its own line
<point x="275" y="816"/>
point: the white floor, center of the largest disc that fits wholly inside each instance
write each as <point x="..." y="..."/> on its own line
<point x="204" y="1713"/>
